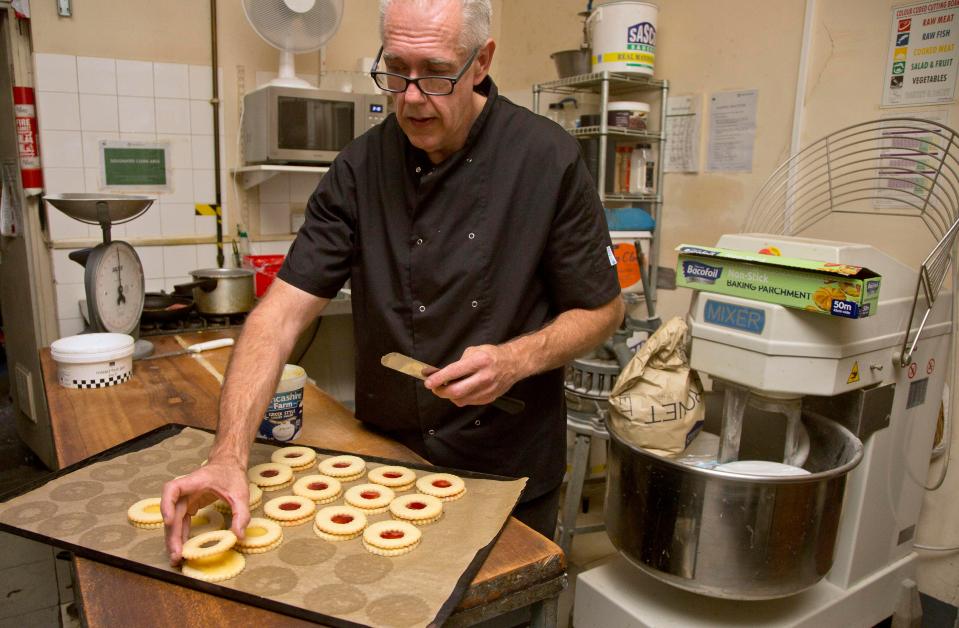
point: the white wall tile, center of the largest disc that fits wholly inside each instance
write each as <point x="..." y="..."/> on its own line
<point x="279" y="247"/>
<point x="137" y="115"/>
<point x="171" y="80"/>
<point x="147" y="225"/>
<point x="99" y="113"/>
<point x="206" y="225"/>
<point x="152" y="259"/>
<point x="302" y="186"/>
<point x="62" y="227"/>
<point x="179" y="260"/>
<point x="177" y="219"/>
<point x="154" y="285"/>
<point x="68" y="296"/>
<point x="202" y="146"/>
<point x="138" y="137"/>
<point x="274" y="218"/>
<point x="58" y="111"/>
<point x="70" y="326"/>
<point x="200" y="82"/>
<point x="55" y="73"/>
<point x="276" y="189"/>
<point x="169" y="283"/>
<point x="91" y="146"/>
<point x="181" y="151"/>
<point x="172" y="115"/>
<point x="96" y="75"/>
<point x="61" y="148"/>
<point x="134" y="78"/>
<point x="91" y="181"/>
<point x="65" y="270"/>
<point x="201" y="117"/>
<point x="59" y="180"/>
<point x="182" y="191"/>
<point x="206" y="255"/>
<point x="203" y="186"/>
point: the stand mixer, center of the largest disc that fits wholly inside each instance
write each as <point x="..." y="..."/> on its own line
<point x="832" y="547"/>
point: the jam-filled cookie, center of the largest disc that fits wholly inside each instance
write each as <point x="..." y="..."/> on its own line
<point x="146" y="514"/>
<point x="290" y="510"/>
<point x="391" y="538"/>
<point x="271" y="476"/>
<point x="397" y="478"/>
<point x="419" y="509"/>
<point x="261" y="535"/>
<point x="298" y="458"/>
<point x="343" y="468"/>
<point x="339" y="523"/>
<point x="446" y="486"/>
<point x="370" y="498"/>
<point x="322" y="489"/>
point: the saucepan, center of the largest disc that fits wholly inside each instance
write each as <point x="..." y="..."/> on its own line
<point x="220" y="291"/>
<point x="159" y="307"/>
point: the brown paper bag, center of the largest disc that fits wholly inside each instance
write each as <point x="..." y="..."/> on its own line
<point x="657" y="402"/>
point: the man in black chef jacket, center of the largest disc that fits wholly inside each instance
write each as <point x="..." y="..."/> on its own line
<point x="473" y="237"/>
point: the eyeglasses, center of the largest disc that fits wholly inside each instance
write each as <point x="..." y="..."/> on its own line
<point x="430" y="85"/>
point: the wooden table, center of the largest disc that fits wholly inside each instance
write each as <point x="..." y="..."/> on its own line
<point x="522" y="569"/>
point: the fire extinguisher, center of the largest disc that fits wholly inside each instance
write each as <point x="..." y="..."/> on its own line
<point x="28" y="145"/>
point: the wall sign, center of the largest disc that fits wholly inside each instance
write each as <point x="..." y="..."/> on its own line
<point x="922" y="61"/>
<point x="135" y="165"/>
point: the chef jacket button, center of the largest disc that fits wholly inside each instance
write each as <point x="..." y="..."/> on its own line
<point x="431" y="432"/>
<point x="475" y="303"/>
<point x="422" y="308"/>
<point x="418" y="170"/>
<point x="476" y="422"/>
<point x="471" y="235"/>
<point x="469" y="160"/>
<point x="419" y="241"/>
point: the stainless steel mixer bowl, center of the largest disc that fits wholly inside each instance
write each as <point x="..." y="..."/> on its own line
<point x="729" y="536"/>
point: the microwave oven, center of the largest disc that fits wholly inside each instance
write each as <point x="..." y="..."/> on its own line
<point x="283" y="125"/>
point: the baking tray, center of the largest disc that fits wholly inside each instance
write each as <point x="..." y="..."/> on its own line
<point x="161" y="434"/>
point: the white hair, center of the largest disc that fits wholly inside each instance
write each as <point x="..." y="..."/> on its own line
<point x="477" y="15"/>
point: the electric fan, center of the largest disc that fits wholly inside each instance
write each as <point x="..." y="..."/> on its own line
<point x="293" y="26"/>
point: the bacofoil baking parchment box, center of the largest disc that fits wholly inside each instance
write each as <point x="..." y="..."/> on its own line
<point x="822" y="287"/>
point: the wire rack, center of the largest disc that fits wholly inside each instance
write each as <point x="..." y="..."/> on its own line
<point x="890" y="167"/>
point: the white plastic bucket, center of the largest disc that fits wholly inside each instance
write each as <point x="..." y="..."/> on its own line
<point x="623" y="36"/>
<point x="284" y="416"/>
<point x="93" y="360"/>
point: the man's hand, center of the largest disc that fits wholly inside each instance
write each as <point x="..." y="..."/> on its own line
<point x="484" y="373"/>
<point x="183" y="496"/>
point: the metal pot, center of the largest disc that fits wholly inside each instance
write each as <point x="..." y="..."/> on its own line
<point x="709" y="532"/>
<point x="159" y="307"/>
<point x="221" y="291"/>
<point x="572" y="62"/>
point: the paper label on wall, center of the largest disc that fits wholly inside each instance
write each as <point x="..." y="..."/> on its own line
<point x="732" y="131"/>
<point x="682" y="133"/>
<point x="922" y="59"/>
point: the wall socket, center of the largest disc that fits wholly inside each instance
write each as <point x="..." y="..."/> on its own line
<point x="25" y="392"/>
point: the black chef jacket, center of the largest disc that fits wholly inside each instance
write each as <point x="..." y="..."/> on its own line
<point x="493" y="243"/>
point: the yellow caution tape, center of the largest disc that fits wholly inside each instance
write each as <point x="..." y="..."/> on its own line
<point x="203" y="209"/>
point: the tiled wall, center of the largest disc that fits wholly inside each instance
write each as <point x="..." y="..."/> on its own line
<point x="83" y="100"/>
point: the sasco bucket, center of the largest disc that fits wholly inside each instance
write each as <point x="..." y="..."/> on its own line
<point x="623" y="36"/>
<point x="284" y="416"/>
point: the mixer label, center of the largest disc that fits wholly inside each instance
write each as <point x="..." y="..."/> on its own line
<point x="748" y="319"/>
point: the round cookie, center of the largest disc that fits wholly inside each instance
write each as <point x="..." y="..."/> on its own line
<point x="344" y="468"/>
<point x="370" y="498"/>
<point x="271" y="476"/>
<point x="256" y="499"/>
<point x="146" y="513"/>
<point x="446" y="486"/>
<point x="290" y="510"/>
<point x="208" y="545"/>
<point x="397" y="478"/>
<point x="299" y="458"/>
<point x="391" y="538"/>
<point x="322" y="489"/>
<point x="339" y="523"/>
<point x="224" y="566"/>
<point x="206" y="519"/>
<point x="419" y="509"/>
<point x="261" y="535"/>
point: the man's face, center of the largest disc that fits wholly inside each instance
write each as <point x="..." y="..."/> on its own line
<point x="423" y="42"/>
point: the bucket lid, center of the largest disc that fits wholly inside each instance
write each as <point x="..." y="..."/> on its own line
<point x="91" y="347"/>
<point x="626" y="105"/>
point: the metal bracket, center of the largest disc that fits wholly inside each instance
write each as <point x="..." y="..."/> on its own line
<point x="862" y="412"/>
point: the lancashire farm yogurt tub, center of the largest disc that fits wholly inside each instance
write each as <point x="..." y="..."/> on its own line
<point x="284" y="416"/>
<point x="93" y="360"/>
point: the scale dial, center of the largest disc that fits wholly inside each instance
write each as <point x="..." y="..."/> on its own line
<point x="115" y="288"/>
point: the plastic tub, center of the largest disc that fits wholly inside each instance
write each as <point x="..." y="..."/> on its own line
<point x="93" y="360"/>
<point x="623" y="35"/>
<point x="628" y="115"/>
<point x="284" y="416"/>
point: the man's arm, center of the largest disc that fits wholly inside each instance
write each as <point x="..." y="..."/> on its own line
<point x="268" y="336"/>
<point x="486" y="372"/>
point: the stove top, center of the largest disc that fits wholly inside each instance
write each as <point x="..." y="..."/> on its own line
<point x="192" y="322"/>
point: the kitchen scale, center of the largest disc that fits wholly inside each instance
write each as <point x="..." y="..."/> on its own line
<point x="113" y="276"/>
